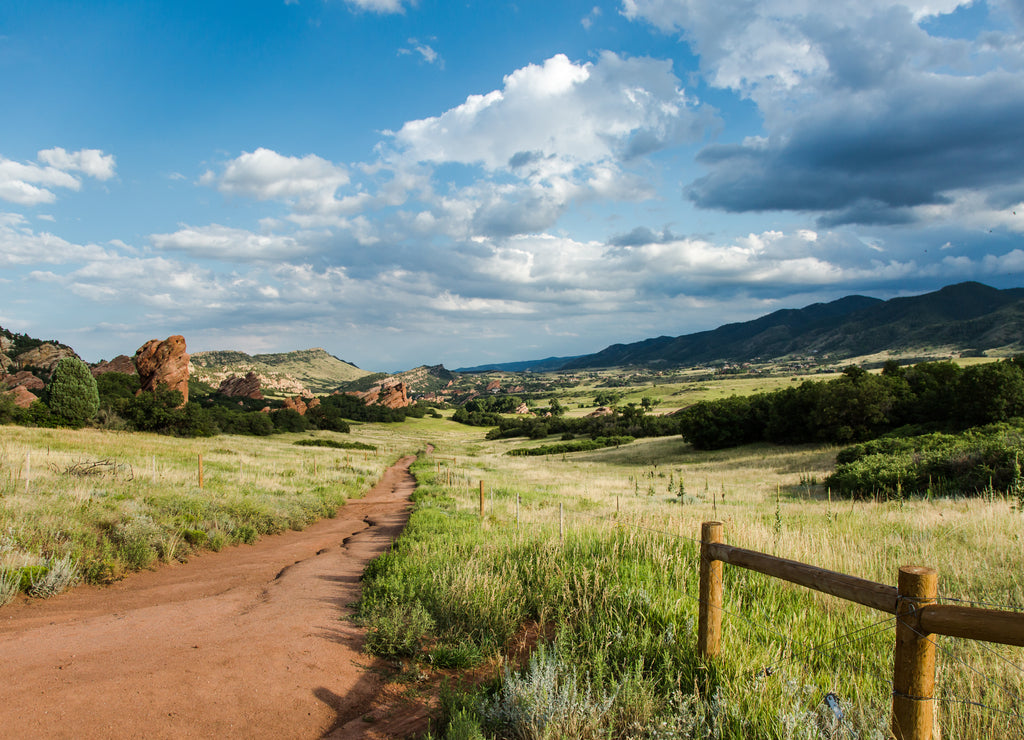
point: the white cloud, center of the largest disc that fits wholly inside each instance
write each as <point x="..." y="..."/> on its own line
<point x="307" y="183"/>
<point x="425" y="51"/>
<point x="380" y="6"/>
<point x="20" y="245"/>
<point x="225" y="243"/>
<point x="91" y="162"/>
<point x="29" y="184"/>
<point x="554" y="117"/>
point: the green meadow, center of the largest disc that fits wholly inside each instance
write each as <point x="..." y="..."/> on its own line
<point x="593" y="552"/>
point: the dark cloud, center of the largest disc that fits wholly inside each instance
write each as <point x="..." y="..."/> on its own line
<point x="906" y="147"/>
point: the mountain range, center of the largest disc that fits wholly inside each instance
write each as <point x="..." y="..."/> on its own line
<point x="964" y="318"/>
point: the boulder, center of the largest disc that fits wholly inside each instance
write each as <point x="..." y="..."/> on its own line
<point x="296" y="404"/>
<point x="25" y="379"/>
<point x="163" y="363"/>
<point x="120" y="364"/>
<point x="23" y="397"/>
<point x="247" y="387"/>
<point x="302" y="404"/>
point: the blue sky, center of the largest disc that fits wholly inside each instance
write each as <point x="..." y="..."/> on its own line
<point x="408" y="183"/>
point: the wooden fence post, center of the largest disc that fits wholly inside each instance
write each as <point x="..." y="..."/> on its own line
<point x="481" y="499"/>
<point x="200" y="469"/>
<point x="709" y="616"/>
<point x="913" y="677"/>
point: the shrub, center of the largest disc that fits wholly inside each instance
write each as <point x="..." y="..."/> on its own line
<point x="10" y="585"/>
<point x="60" y="575"/>
<point x="396" y="629"/>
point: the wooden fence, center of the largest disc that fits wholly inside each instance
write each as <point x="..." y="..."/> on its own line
<point x="912" y="600"/>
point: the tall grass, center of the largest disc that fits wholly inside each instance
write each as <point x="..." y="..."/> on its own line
<point x="620" y="593"/>
<point x="94" y="505"/>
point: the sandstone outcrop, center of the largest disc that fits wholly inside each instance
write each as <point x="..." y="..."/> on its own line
<point x="45" y="356"/>
<point x="24" y="379"/>
<point x="393" y="394"/>
<point x="23" y="397"/>
<point x="522" y="409"/>
<point x="163" y="363"/>
<point x="120" y="364"/>
<point x="493" y="385"/>
<point x="247" y="387"/>
<point x="300" y="404"/>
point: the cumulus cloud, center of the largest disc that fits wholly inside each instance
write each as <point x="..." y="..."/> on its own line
<point x="561" y="115"/>
<point x="91" y="162"/>
<point x="31" y="183"/>
<point x="868" y="116"/>
<point x="555" y="133"/>
<point x="308" y="183"/>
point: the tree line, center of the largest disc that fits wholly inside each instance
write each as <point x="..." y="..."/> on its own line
<point x="858" y="406"/>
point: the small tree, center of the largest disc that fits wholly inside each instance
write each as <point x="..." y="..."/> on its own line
<point x="72" y="394"/>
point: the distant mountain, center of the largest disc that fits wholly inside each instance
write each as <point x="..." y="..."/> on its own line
<point x="963" y="317"/>
<point x="536" y="366"/>
<point x="283" y="373"/>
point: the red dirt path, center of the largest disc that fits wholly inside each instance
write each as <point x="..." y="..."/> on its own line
<point x="248" y="642"/>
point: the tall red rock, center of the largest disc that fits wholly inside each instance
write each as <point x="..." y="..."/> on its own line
<point x="163" y="363"/>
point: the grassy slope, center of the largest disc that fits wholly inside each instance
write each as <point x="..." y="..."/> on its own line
<point x="319" y="371"/>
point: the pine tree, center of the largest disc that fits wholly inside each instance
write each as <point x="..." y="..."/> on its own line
<point x="72" y="395"/>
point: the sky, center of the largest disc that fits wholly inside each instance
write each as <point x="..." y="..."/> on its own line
<point x="408" y="182"/>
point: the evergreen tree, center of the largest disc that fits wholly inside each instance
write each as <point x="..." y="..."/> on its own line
<point x="72" y="395"/>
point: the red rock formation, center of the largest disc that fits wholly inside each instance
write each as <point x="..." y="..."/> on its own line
<point x="23" y="397"/>
<point x="493" y="385"/>
<point x="393" y="394"/>
<point x="26" y="379"/>
<point x="296" y="404"/>
<point x="120" y="364"/>
<point x="247" y="387"/>
<point x="163" y="363"/>
<point x="522" y="408"/>
<point x="601" y="411"/>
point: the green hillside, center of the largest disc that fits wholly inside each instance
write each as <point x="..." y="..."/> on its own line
<point x="282" y="373"/>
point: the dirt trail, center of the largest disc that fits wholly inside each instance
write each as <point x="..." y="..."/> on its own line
<point x="247" y="642"/>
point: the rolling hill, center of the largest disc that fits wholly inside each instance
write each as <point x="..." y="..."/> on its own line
<point x="283" y="373"/>
<point x="967" y="317"/>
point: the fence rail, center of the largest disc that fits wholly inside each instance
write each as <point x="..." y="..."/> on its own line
<point x="912" y="600"/>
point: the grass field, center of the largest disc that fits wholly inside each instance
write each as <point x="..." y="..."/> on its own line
<point x="619" y="593"/>
<point x="616" y="597"/>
